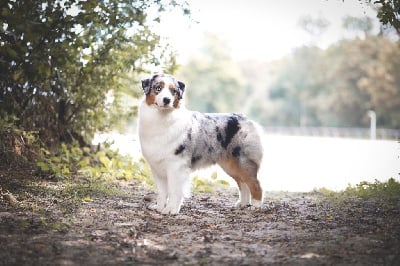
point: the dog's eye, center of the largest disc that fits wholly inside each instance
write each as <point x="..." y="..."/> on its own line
<point x="158" y="89"/>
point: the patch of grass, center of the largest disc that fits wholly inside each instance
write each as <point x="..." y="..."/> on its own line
<point x="389" y="189"/>
<point x="86" y="189"/>
<point x="59" y="226"/>
<point x="325" y="192"/>
<point x="203" y="185"/>
<point x="384" y="190"/>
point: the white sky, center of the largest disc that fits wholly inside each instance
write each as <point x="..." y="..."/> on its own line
<point x="257" y="29"/>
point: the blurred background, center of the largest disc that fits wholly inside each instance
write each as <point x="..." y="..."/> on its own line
<point x="310" y="64"/>
<point x="309" y="68"/>
<point x="321" y="77"/>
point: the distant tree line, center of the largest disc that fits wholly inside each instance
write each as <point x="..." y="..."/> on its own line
<point x="334" y="87"/>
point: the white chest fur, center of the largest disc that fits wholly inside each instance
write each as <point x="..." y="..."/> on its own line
<point x="161" y="132"/>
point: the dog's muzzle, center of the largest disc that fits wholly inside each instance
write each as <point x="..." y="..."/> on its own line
<point x="166" y="101"/>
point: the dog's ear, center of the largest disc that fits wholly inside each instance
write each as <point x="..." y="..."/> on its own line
<point x="146" y="86"/>
<point x="181" y="88"/>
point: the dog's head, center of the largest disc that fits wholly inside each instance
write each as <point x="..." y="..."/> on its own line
<point x="163" y="91"/>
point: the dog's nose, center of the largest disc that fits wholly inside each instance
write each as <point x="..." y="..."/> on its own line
<point x="166" y="101"/>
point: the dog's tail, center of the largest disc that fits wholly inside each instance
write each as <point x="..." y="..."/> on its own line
<point x="254" y="145"/>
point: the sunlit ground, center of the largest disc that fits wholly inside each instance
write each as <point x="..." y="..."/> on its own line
<point x="304" y="163"/>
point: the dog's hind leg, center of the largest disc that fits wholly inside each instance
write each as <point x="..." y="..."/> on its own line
<point x="245" y="174"/>
<point x="255" y="190"/>
<point x="250" y="171"/>
<point x="231" y="168"/>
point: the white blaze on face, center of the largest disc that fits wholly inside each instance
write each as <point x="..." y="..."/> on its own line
<point x="165" y="97"/>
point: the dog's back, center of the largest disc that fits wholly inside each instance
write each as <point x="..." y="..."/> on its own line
<point x="212" y="138"/>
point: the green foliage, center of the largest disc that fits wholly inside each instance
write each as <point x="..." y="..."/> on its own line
<point x="214" y="81"/>
<point x="389" y="189"/>
<point x="332" y="87"/>
<point x="60" y="59"/>
<point x="16" y="145"/>
<point x="111" y="165"/>
<point x="69" y="162"/>
<point x="325" y="192"/>
<point x="205" y="185"/>
<point x="358" y="24"/>
<point x="143" y="173"/>
<point x="389" y="13"/>
<point x="61" y="164"/>
<point x="382" y="190"/>
<point x="106" y="164"/>
<point x="201" y="185"/>
<point x="67" y="69"/>
<point x="89" y="188"/>
<point x="293" y="92"/>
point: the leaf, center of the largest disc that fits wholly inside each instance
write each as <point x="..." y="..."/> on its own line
<point x="222" y="182"/>
<point x="45" y="151"/>
<point x="87" y="198"/>
<point x="105" y="161"/>
<point x="43" y="166"/>
<point x="11" y="52"/>
<point x="4" y="12"/>
<point x="84" y="162"/>
<point x="66" y="171"/>
<point x="55" y="159"/>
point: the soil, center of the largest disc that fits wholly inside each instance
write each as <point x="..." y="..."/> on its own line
<point x="41" y="224"/>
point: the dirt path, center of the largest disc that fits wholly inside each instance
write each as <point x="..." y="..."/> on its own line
<point x="44" y="228"/>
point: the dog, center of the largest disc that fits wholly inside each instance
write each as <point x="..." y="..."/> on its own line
<point x="175" y="141"/>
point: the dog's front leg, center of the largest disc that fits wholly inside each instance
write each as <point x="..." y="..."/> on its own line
<point x="162" y="194"/>
<point x="178" y="188"/>
<point x="162" y="191"/>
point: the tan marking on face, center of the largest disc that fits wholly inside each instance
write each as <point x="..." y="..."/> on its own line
<point x="246" y="174"/>
<point x="176" y="104"/>
<point x="150" y="98"/>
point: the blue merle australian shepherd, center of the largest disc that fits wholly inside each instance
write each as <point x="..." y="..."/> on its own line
<point x="175" y="141"/>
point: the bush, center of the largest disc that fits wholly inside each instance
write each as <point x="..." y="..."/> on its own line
<point x="389" y="189"/>
<point x="19" y="147"/>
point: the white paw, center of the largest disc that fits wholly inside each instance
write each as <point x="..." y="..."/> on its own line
<point x="152" y="206"/>
<point x="256" y="203"/>
<point x="239" y="204"/>
<point x="155" y="207"/>
<point x="170" y="210"/>
<point x="160" y="208"/>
